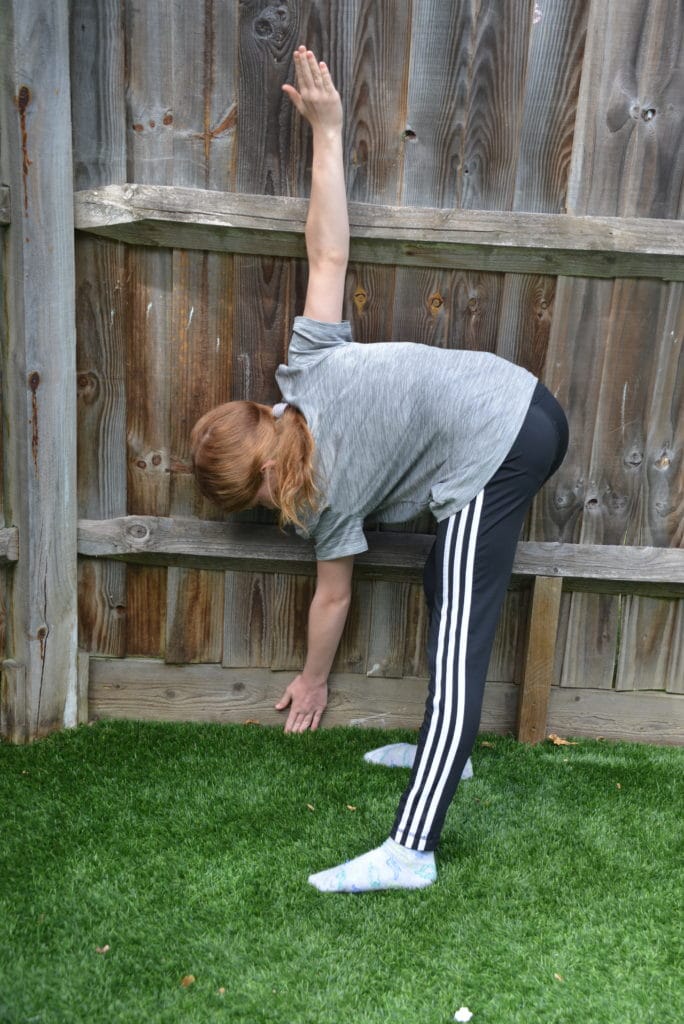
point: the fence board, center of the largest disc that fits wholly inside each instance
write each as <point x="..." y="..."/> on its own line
<point x="376" y="141"/>
<point x="204" y="120"/>
<point x="629" y="153"/>
<point x="152" y="335"/>
<point x="99" y="141"/>
<point x="553" y="75"/>
<point x="101" y="320"/>
<point x="38" y="365"/>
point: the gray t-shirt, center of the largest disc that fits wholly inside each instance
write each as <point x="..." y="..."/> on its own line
<point x="398" y="427"/>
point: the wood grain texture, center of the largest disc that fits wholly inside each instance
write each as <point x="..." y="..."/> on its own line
<point x="554" y="65"/>
<point x="164" y="216"/>
<point x="496" y="74"/>
<point x="636" y="717"/>
<point x="99" y="142"/>
<point x="152" y="332"/>
<point x="628" y="158"/>
<point x="101" y="327"/>
<point x="203" y="356"/>
<point x="535" y="684"/>
<point x="38" y="371"/>
<point x="652" y="638"/>
<point x="624" y="163"/>
<point x="398" y="555"/>
<point x="150" y="690"/>
<point x="98" y="92"/>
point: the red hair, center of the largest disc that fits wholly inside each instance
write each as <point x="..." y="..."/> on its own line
<point x="230" y="445"/>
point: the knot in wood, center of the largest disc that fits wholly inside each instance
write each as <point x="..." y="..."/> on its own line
<point x="663" y="462"/>
<point x="435" y="303"/>
<point x="137" y="531"/>
<point x="360" y="299"/>
<point x="648" y="113"/>
<point x="273" y="24"/>
<point x="634" y="459"/>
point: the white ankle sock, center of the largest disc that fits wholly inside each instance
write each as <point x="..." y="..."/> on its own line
<point x="402" y="755"/>
<point x="389" y="866"/>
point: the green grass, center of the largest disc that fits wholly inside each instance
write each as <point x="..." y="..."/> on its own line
<point x="186" y="849"/>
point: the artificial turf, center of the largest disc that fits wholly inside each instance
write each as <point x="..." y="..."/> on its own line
<point x="183" y="850"/>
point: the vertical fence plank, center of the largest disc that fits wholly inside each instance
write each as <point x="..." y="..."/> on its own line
<point x="375" y="141"/>
<point x="205" y="117"/>
<point x="39" y="399"/>
<point x="152" y="336"/>
<point x="99" y="134"/>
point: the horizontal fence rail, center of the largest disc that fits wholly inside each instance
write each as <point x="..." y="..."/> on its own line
<point x="161" y="540"/>
<point x="526" y="243"/>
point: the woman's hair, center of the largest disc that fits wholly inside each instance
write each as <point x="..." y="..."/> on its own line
<point x="230" y="445"/>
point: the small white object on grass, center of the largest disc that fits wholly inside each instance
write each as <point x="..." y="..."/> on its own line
<point x="463" y="1015"/>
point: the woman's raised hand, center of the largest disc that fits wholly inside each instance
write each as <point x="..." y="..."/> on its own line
<point x="315" y="97"/>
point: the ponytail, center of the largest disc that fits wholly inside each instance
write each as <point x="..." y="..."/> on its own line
<point x="294" y="457"/>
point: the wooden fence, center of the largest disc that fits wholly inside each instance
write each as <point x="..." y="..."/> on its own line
<point x="515" y="177"/>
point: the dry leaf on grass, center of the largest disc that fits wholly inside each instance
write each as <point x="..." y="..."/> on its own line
<point x="486" y="743"/>
<point x="188" y="980"/>
<point x="222" y="991"/>
<point x="350" y="807"/>
<point x="102" y="949"/>
<point x="558" y="741"/>
<point x="559" y="977"/>
<point x="311" y="807"/>
<point x="251" y="721"/>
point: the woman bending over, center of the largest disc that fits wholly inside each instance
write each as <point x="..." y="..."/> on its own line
<point x="384" y="432"/>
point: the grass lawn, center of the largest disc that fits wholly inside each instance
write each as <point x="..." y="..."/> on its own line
<point x="183" y="850"/>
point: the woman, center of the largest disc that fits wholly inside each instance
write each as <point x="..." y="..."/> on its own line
<point x="386" y="431"/>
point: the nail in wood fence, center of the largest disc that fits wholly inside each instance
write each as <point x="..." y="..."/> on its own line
<point x="515" y="180"/>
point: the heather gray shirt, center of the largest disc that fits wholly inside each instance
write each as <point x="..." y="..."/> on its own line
<point x="399" y="427"/>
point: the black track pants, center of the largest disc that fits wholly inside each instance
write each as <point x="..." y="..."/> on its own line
<point x="466" y="577"/>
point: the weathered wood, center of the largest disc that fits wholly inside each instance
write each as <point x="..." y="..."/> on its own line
<point x="245" y="545"/>
<point x="204" y="128"/>
<point x="554" y="66"/>
<point x="651" y="645"/>
<point x="152" y="337"/>
<point x="39" y="398"/>
<point x="9" y="544"/>
<point x="5" y="205"/>
<point x="628" y="157"/>
<point x="83" y="666"/>
<point x="150" y="690"/>
<point x="537" y="675"/>
<point x="638" y="717"/>
<point x="14" y="713"/>
<point x="99" y="144"/>
<point x="525" y="243"/>
<point x="498" y="57"/>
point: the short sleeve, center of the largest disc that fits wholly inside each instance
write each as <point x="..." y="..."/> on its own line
<point x="337" y="536"/>
<point x="315" y="338"/>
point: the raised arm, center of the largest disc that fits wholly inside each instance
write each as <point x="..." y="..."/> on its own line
<point x="327" y="223"/>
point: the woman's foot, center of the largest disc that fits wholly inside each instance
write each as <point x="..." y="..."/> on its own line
<point x="402" y="755"/>
<point x="389" y="866"/>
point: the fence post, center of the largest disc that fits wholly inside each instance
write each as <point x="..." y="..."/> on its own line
<point x="39" y="692"/>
